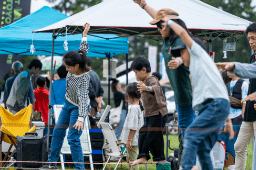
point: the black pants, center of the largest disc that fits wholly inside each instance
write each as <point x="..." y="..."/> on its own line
<point x="151" y="138"/>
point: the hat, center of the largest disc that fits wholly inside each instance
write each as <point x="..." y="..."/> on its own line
<point x="162" y="13"/>
<point x="176" y="50"/>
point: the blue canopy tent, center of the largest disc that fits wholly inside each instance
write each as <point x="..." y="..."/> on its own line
<point x="16" y="39"/>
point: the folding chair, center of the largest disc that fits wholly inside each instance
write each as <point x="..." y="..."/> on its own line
<point x="115" y="149"/>
<point x="13" y="126"/>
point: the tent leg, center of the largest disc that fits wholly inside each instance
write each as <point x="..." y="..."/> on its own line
<point x="50" y="89"/>
<point x="126" y="69"/>
<point x="109" y="76"/>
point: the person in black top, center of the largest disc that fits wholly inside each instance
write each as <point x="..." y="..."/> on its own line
<point x="118" y="97"/>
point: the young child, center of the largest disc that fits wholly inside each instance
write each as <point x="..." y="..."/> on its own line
<point x="75" y="107"/>
<point x="210" y="98"/>
<point x="155" y="110"/>
<point x="42" y="100"/>
<point x="133" y="122"/>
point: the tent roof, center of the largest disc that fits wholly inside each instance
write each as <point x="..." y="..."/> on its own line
<point x="16" y="38"/>
<point x="126" y="17"/>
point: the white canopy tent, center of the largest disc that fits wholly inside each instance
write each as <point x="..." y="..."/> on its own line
<point x="126" y="17"/>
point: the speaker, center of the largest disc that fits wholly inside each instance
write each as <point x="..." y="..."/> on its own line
<point x="97" y="144"/>
<point x="31" y="148"/>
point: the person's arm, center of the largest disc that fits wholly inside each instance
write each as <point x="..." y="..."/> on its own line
<point x="92" y="93"/>
<point x="84" y="44"/>
<point x="244" y="90"/>
<point x="142" y="3"/>
<point x="242" y="70"/>
<point x="175" y="62"/>
<point x="129" y="140"/>
<point x="229" y="128"/>
<point x="6" y="94"/>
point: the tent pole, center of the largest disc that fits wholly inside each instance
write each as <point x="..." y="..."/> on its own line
<point x="109" y="76"/>
<point x="126" y="69"/>
<point x="210" y="46"/>
<point x="50" y="89"/>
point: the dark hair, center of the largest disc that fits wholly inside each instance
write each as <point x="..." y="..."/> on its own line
<point x="113" y="85"/>
<point x="225" y="77"/>
<point x="62" y="72"/>
<point x="133" y="92"/>
<point x="72" y="58"/>
<point x="35" y="63"/>
<point x="40" y="81"/>
<point x="251" y="28"/>
<point x="157" y="75"/>
<point x="139" y="63"/>
<point x="88" y="62"/>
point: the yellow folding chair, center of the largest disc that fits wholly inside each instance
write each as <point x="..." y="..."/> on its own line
<point x="13" y="126"/>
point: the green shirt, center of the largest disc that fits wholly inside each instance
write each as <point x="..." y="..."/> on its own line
<point x="179" y="78"/>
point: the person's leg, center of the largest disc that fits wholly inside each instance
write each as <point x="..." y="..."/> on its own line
<point x="186" y="115"/>
<point x="209" y="122"/>
<point x="143" y="156"/>
<point x="180" y="148"/>
<point x="119" y="127"/>
<point x="155" y="137"/>
<point x="132" y="156"/>
<point x="59" y="133"/>
<point x="245" y="135"/>
<point x="74" y="139"/>
<point x="204" y="150"/>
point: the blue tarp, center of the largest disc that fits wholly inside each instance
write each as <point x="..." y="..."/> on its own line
<point x="16" y="38"/>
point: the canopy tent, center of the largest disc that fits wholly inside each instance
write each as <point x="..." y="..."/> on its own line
<point x="126" y="17"/>
<point x="16" y="38"/>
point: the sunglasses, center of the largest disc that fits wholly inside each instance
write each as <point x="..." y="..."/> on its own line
<point x="159" y="24"/>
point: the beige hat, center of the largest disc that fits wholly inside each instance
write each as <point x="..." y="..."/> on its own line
<point x="162" y="13"/>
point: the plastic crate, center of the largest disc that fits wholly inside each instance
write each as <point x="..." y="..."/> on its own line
<point x="163" y="166"/>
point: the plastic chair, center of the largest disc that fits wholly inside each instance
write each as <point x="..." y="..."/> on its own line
<point x="110" y="136"/>
<point x="13" y="126"/>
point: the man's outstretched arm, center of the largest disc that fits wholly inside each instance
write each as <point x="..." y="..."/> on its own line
<point x="142" y="3"/>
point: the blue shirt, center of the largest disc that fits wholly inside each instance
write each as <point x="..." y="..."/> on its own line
<point x="58" y="92"/>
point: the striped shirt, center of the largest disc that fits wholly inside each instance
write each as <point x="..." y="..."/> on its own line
<point x="77" y="89"/>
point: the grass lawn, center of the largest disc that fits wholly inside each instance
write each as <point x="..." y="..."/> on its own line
<point x="174" y="143"/>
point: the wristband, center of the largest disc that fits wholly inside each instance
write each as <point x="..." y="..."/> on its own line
<point x="180" y="60"/>
<point x="144" y="6"/>
<point x="169" y="23"/>
<point x="148" y="88"/>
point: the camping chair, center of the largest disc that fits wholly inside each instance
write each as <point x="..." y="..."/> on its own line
<point x="13" y="126"/>
<point x="115" y="149"/>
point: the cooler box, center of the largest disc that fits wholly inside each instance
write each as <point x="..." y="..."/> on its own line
<point x="39" y="128"/>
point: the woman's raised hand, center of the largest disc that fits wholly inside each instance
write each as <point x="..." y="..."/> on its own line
<point x="86" y="29"/>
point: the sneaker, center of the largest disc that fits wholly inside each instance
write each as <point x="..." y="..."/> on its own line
<point x="49" y="166"/>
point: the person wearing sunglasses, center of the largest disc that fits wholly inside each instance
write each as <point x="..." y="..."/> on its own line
<point x="177" y="72"/>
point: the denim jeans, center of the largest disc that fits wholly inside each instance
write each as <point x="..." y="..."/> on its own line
<point x="203" y="133"/>
<point x="67" y="118"/>
<point x="186" y="115"/>
<point x="119" y="127"/>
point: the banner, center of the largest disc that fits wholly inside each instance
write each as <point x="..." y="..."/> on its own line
<point x="6" y="63"/>
<point x="152" y="53"/>
<point x="13" y="10"/>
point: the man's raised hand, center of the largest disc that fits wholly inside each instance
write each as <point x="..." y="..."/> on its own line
<point x="141" y="3"/>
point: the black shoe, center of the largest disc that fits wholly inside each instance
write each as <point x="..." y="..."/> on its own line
<point x="49" y="166"/>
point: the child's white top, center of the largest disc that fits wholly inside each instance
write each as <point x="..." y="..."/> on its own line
<point x="207" y="82"/>
<point x="134" y="121"/>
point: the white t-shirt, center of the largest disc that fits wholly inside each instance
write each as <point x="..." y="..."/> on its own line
<point x="206" y="80"/>
<point x="134" y="121"/>
<point x="244" y="90"/>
